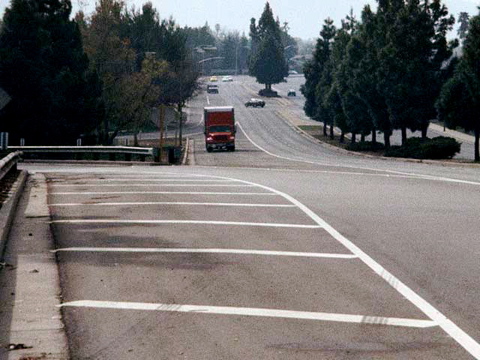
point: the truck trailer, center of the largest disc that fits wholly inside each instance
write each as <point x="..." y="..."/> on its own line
<point x="219" y="127"/>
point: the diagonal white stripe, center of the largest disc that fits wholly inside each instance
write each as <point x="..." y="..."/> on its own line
<point x="174" y="203"/>
<point x="239" y="311"/>
<point x="160" y="192"/>
<point x="208" y="251"/>
<point x="152" y="185"/>
<point x="200" y="222"/>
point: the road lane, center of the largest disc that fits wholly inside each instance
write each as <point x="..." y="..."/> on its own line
<point x="225" y="275"/>
<point x="407" y="226"/>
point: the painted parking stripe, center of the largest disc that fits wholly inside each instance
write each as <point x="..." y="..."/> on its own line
<point x="176" y="203"/>
<point x="141" y="180"/>
<point x="162" y="192"/>
<point x="259" y="312"/>
<point x="208" y="251"/>
<point x="157" y="185"/>
<point x="199" y="222"/>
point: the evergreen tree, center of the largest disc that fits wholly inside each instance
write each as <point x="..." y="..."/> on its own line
<point x="463" y="20"/>
<point x="267" y="63"/>
<point x="44" y="69"/>
<point x="318" y="77"/>
<point x="363" y="62"/>
<point x="325" y="81"/>
<point x="411" y="63"/>
<point x="459" y="101"/>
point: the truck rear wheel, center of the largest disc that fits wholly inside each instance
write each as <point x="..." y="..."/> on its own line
<point x="209" y="149"/>
<point x="231" y="148"/>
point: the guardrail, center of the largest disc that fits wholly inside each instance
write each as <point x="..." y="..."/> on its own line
<point x="127" y="151"/>
<point x="8" y="163"/>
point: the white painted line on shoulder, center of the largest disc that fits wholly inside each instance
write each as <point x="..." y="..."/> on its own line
<point x="82" y="183"/>
<point x="465" y="340"/>
<point x="207" y="251"/>
<point x="259" y="312"/>
<point x="161" y="193"/>
<point x="159" y="185"/>
<point x="406" y="174"/>
<point x="176" y="203"/>
<point x="198" y="222"/>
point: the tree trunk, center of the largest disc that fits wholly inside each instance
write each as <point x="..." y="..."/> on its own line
<point x="386" y="139"/>
<point x="331" y="132"/>
<point x="424" y="133"/>
<point x="342" y="137"/>
<point x="135" y="139"/>
<point x="180" y="125"/>
<point x="404" y="135"/>
<point x="354" y="138"/>
<point x="362" y="137"/>
<point x="477" y="141"/>
<point x="374" y="137"/>
<point x="325" y="129"/>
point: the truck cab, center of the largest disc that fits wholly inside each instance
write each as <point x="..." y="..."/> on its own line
<point x="219" y="127"/>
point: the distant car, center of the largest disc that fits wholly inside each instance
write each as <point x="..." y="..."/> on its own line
<point x="213" y="78"/>
<point x="292" y="72"/>
<point x="291" y="92"/>
<point x="212" y="89"/>
<point x="227" y="79"/>
<point x="255" y="103"/>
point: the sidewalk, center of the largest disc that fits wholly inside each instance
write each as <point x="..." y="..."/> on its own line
<point x="30" y="321"/>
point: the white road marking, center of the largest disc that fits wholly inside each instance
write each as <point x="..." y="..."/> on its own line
<point x="140" y="180"/>
<point x="242" y="311"/>
<point x="199" y="222"/>
<point x="160" y="192"/>
<point x="174" y="203"/>
<point x="413" y="175"/>
<point x="208" y="251"/>
<point x="157" y="185"/>
<point x="447" y="325"/>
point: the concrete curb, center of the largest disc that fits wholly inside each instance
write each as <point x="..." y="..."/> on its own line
<point x="185" y="152"/>
<point x="8" y="210"/>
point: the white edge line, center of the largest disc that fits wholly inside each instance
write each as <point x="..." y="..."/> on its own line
<point x="200" y="222"/>
<point x="208" y="251"/>
<point x="273" y="313"/>
<point x="156" y="185"/>
<point x="406" y="174"/>
<point x="447" y="325"/>
<point x="174" y="203"/>
<point x="160" y="192"/>
<point x="84" y="182"/>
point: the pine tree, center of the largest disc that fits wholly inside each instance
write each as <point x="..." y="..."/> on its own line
<point x="44" y="68"/>
<point x="267" y="62"/>
<point x="459" y="101"/>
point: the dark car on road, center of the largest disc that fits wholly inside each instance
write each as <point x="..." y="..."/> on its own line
<point x="255" y="103"/>
<point x="292" y="92"/>
<point x="212" y="89"/>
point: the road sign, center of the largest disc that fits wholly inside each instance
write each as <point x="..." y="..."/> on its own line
<point x="4" y="98"/>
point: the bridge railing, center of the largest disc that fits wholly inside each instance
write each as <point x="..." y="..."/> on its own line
<point x="95" y="151"/>
<point x="9" y="163"/>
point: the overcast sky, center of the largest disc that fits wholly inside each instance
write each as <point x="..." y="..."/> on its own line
<point x="305" y="17"/>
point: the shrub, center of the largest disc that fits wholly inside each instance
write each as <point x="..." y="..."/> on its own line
<point x="365" y="146"/>
<point x="440" y="147"/>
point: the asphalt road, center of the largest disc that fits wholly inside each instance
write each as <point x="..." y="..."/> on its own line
<point x="283" y="249"/>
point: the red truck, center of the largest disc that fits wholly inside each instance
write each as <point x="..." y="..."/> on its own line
<point x="219" y="127"/>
